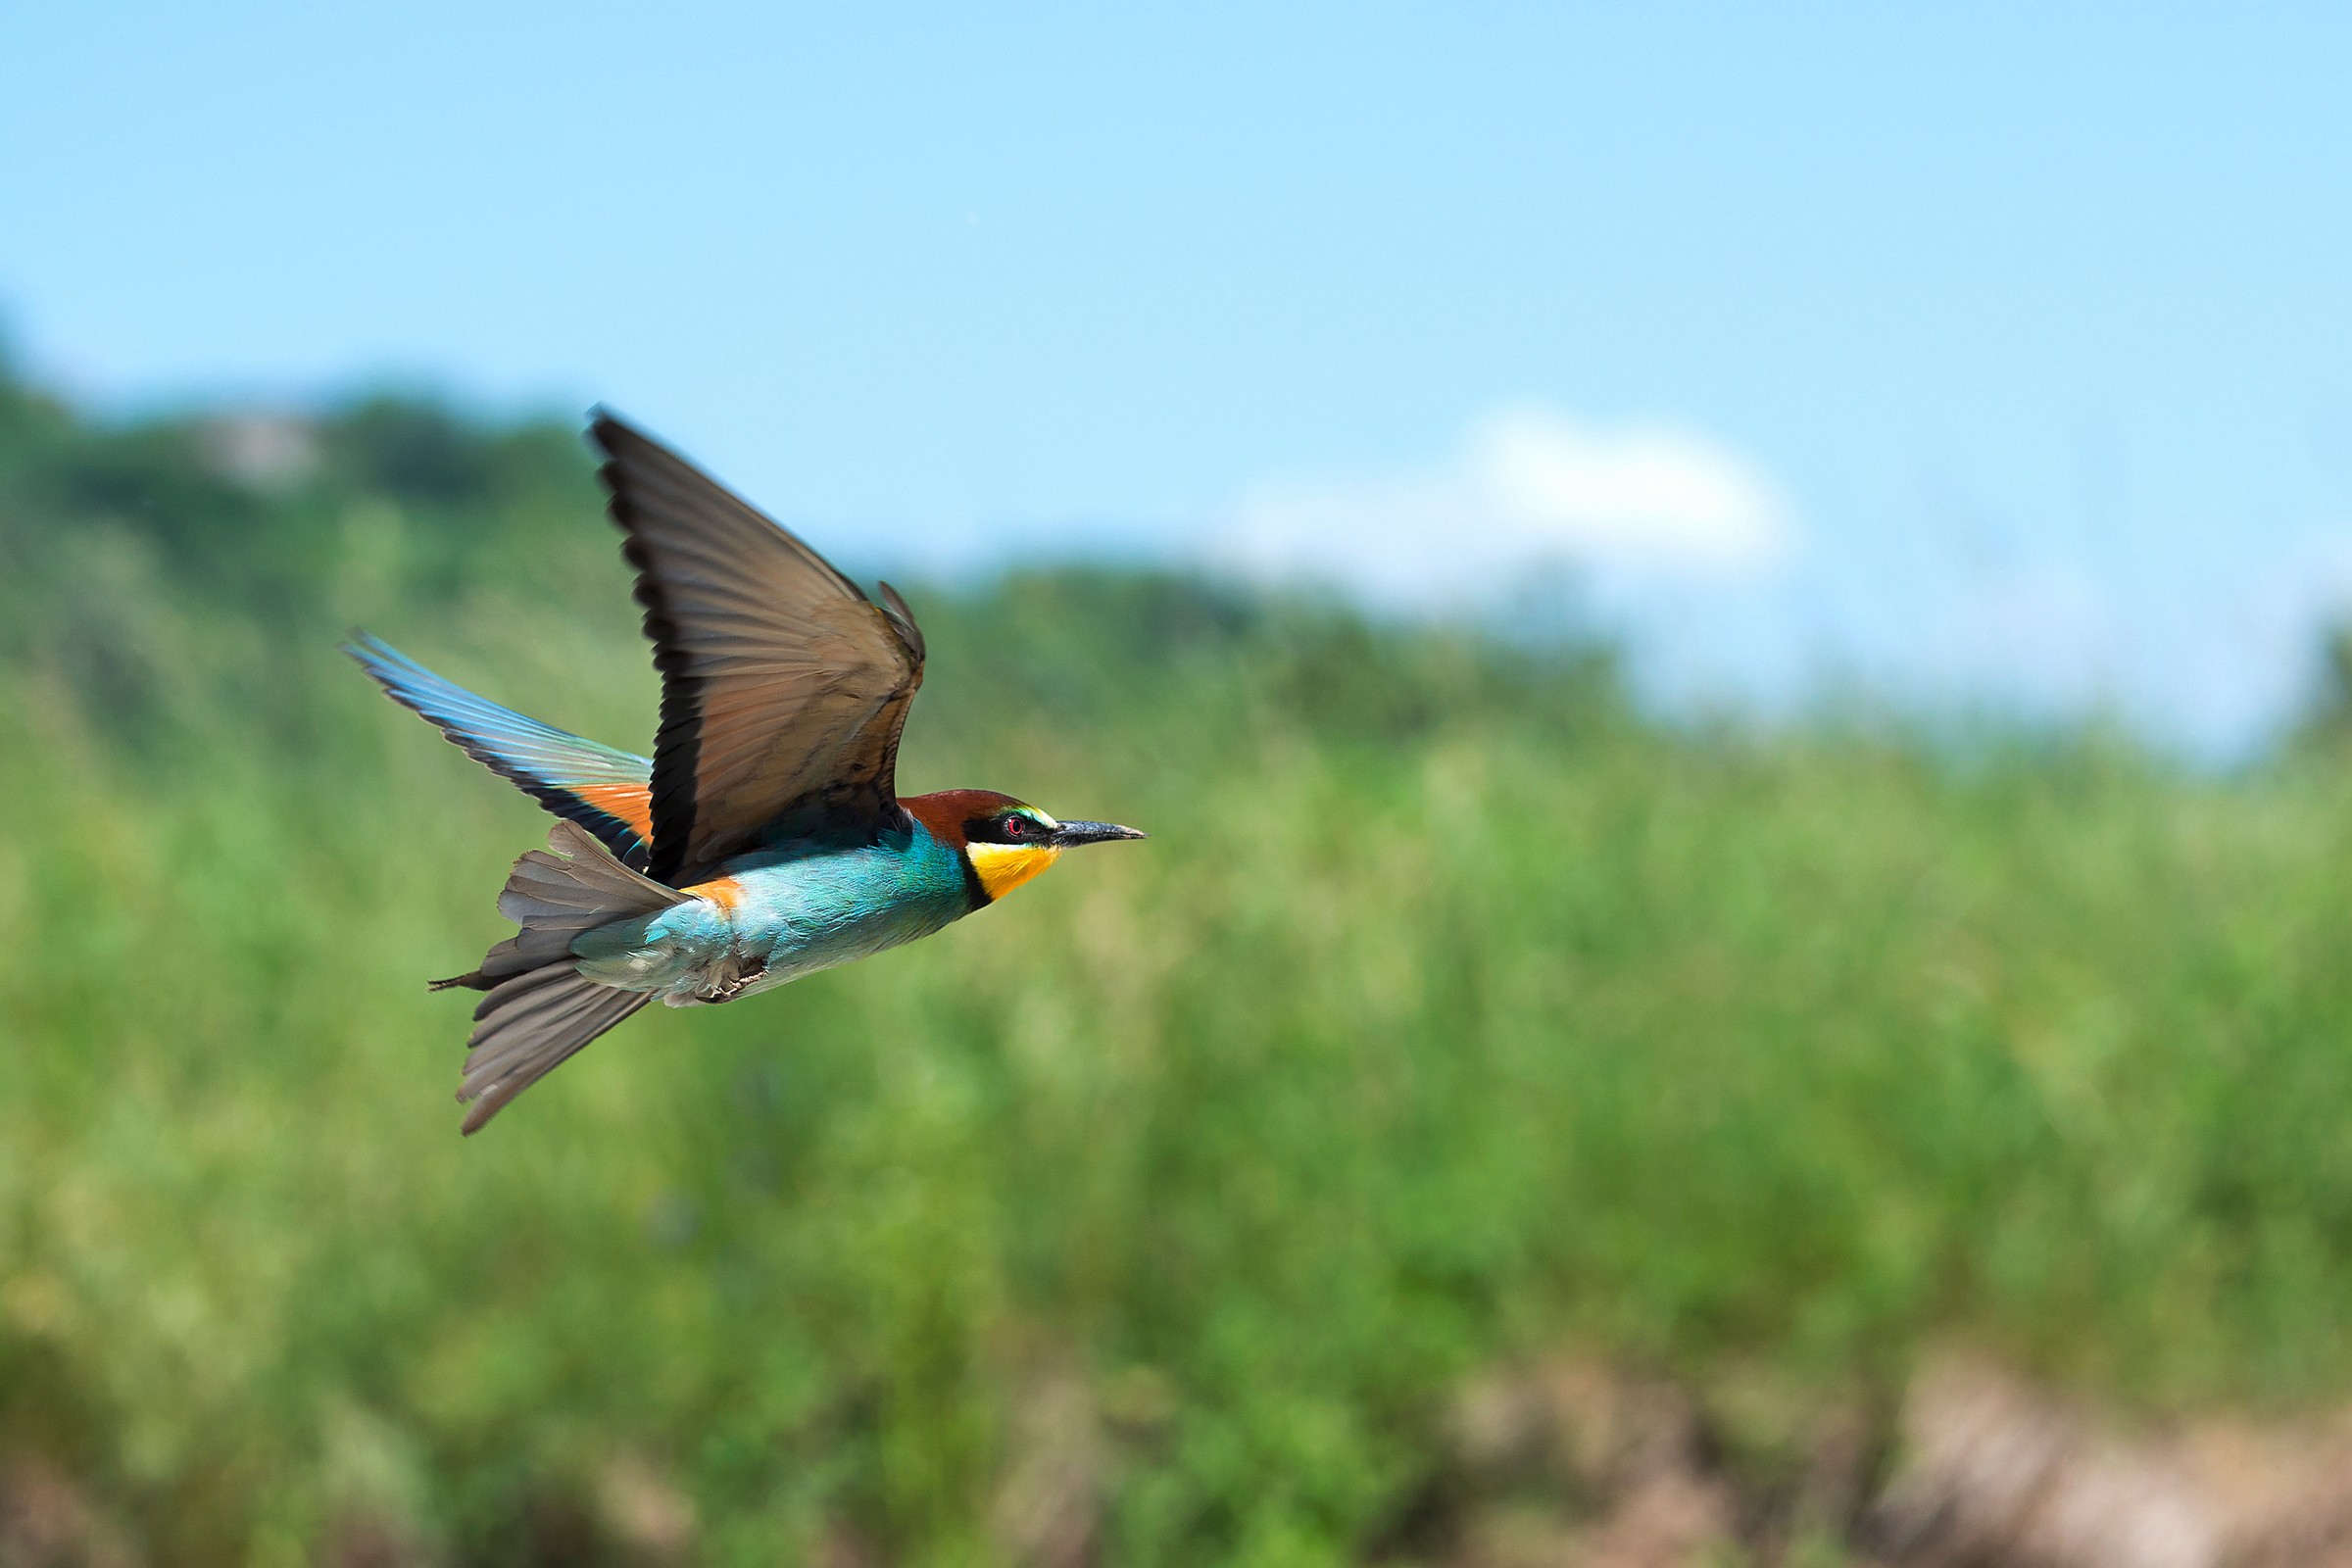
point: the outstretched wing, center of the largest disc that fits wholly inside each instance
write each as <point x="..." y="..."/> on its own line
<point x="783" y="687"/>
<point x="607" y="791"/>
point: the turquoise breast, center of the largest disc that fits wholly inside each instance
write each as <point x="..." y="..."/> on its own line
<point x="807" y="908"/>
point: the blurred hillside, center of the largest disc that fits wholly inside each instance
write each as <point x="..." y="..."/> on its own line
<point x="1463" y="1059"/>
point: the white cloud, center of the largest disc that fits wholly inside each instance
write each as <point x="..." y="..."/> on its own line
<point x="1530" y="486"/>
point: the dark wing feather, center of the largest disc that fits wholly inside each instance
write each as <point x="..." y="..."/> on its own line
<point x="783" y="687"/>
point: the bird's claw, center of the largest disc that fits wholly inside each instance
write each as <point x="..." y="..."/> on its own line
<point x="729" y="989"/>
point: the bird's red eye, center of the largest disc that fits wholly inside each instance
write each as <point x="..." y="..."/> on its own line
<point x="1018" y="827"/>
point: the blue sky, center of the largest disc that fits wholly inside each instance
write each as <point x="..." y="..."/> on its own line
<point x="1997" y="357"/>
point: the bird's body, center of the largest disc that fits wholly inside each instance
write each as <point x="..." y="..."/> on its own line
<point x="765" y="840"/>
<point x="776" y="914"/>
<point x="782" y="913"/>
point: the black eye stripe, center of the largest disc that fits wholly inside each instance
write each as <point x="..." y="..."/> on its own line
<point x="1010" y="828"/>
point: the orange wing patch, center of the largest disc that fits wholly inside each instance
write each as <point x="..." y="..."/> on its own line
<point x="632" y="804"/>
<point x="726" y="891"/>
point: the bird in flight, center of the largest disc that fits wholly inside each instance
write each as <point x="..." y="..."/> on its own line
<point x="766" y="838"/>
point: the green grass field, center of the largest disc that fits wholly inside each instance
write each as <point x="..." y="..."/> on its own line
<point x="1454" y="1014"/>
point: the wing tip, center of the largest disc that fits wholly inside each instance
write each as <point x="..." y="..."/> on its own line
<point x="366" y="648"/>
<point x="901" y="619"/>
<point x="392" y="670"/>
<point x="603" y="424"/>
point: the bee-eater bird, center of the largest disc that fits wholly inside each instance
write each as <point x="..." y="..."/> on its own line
<point x="766" y="838"/>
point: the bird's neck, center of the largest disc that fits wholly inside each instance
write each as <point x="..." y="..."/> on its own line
<point x="995" y="869"/>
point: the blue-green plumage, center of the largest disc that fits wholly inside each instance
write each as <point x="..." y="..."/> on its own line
<point x="778" y="915"/>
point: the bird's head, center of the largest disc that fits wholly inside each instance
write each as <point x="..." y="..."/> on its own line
<point x="1006" y="841"/>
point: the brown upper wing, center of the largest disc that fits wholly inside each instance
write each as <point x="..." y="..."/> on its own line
<point x="783" y="687"/>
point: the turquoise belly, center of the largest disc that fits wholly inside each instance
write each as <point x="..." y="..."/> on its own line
<point x="795" y="909"/>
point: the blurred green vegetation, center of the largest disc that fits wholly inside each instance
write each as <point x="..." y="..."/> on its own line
<point x="1455" y="1013"/>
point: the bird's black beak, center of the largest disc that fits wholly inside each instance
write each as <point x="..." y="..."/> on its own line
<point x="1075" y="833"/>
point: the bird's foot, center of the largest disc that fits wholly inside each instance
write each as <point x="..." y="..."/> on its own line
<point x="728" y="990"/>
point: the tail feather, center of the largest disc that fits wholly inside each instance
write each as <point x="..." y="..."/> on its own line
<point x="539" y="1009"/>
<point x="530" y="1025"/>
<point x="554" y="900"/>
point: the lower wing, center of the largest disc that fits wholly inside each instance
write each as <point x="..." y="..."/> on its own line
<point x="608" y="792"/>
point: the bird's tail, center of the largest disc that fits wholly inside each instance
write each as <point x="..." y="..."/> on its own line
<point x="539" y="1009"/>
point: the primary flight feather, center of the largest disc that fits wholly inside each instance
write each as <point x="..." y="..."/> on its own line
<point x="765" y="837"/>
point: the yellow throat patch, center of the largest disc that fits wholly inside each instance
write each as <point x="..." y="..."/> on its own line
<point x="1002" y="867"/>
